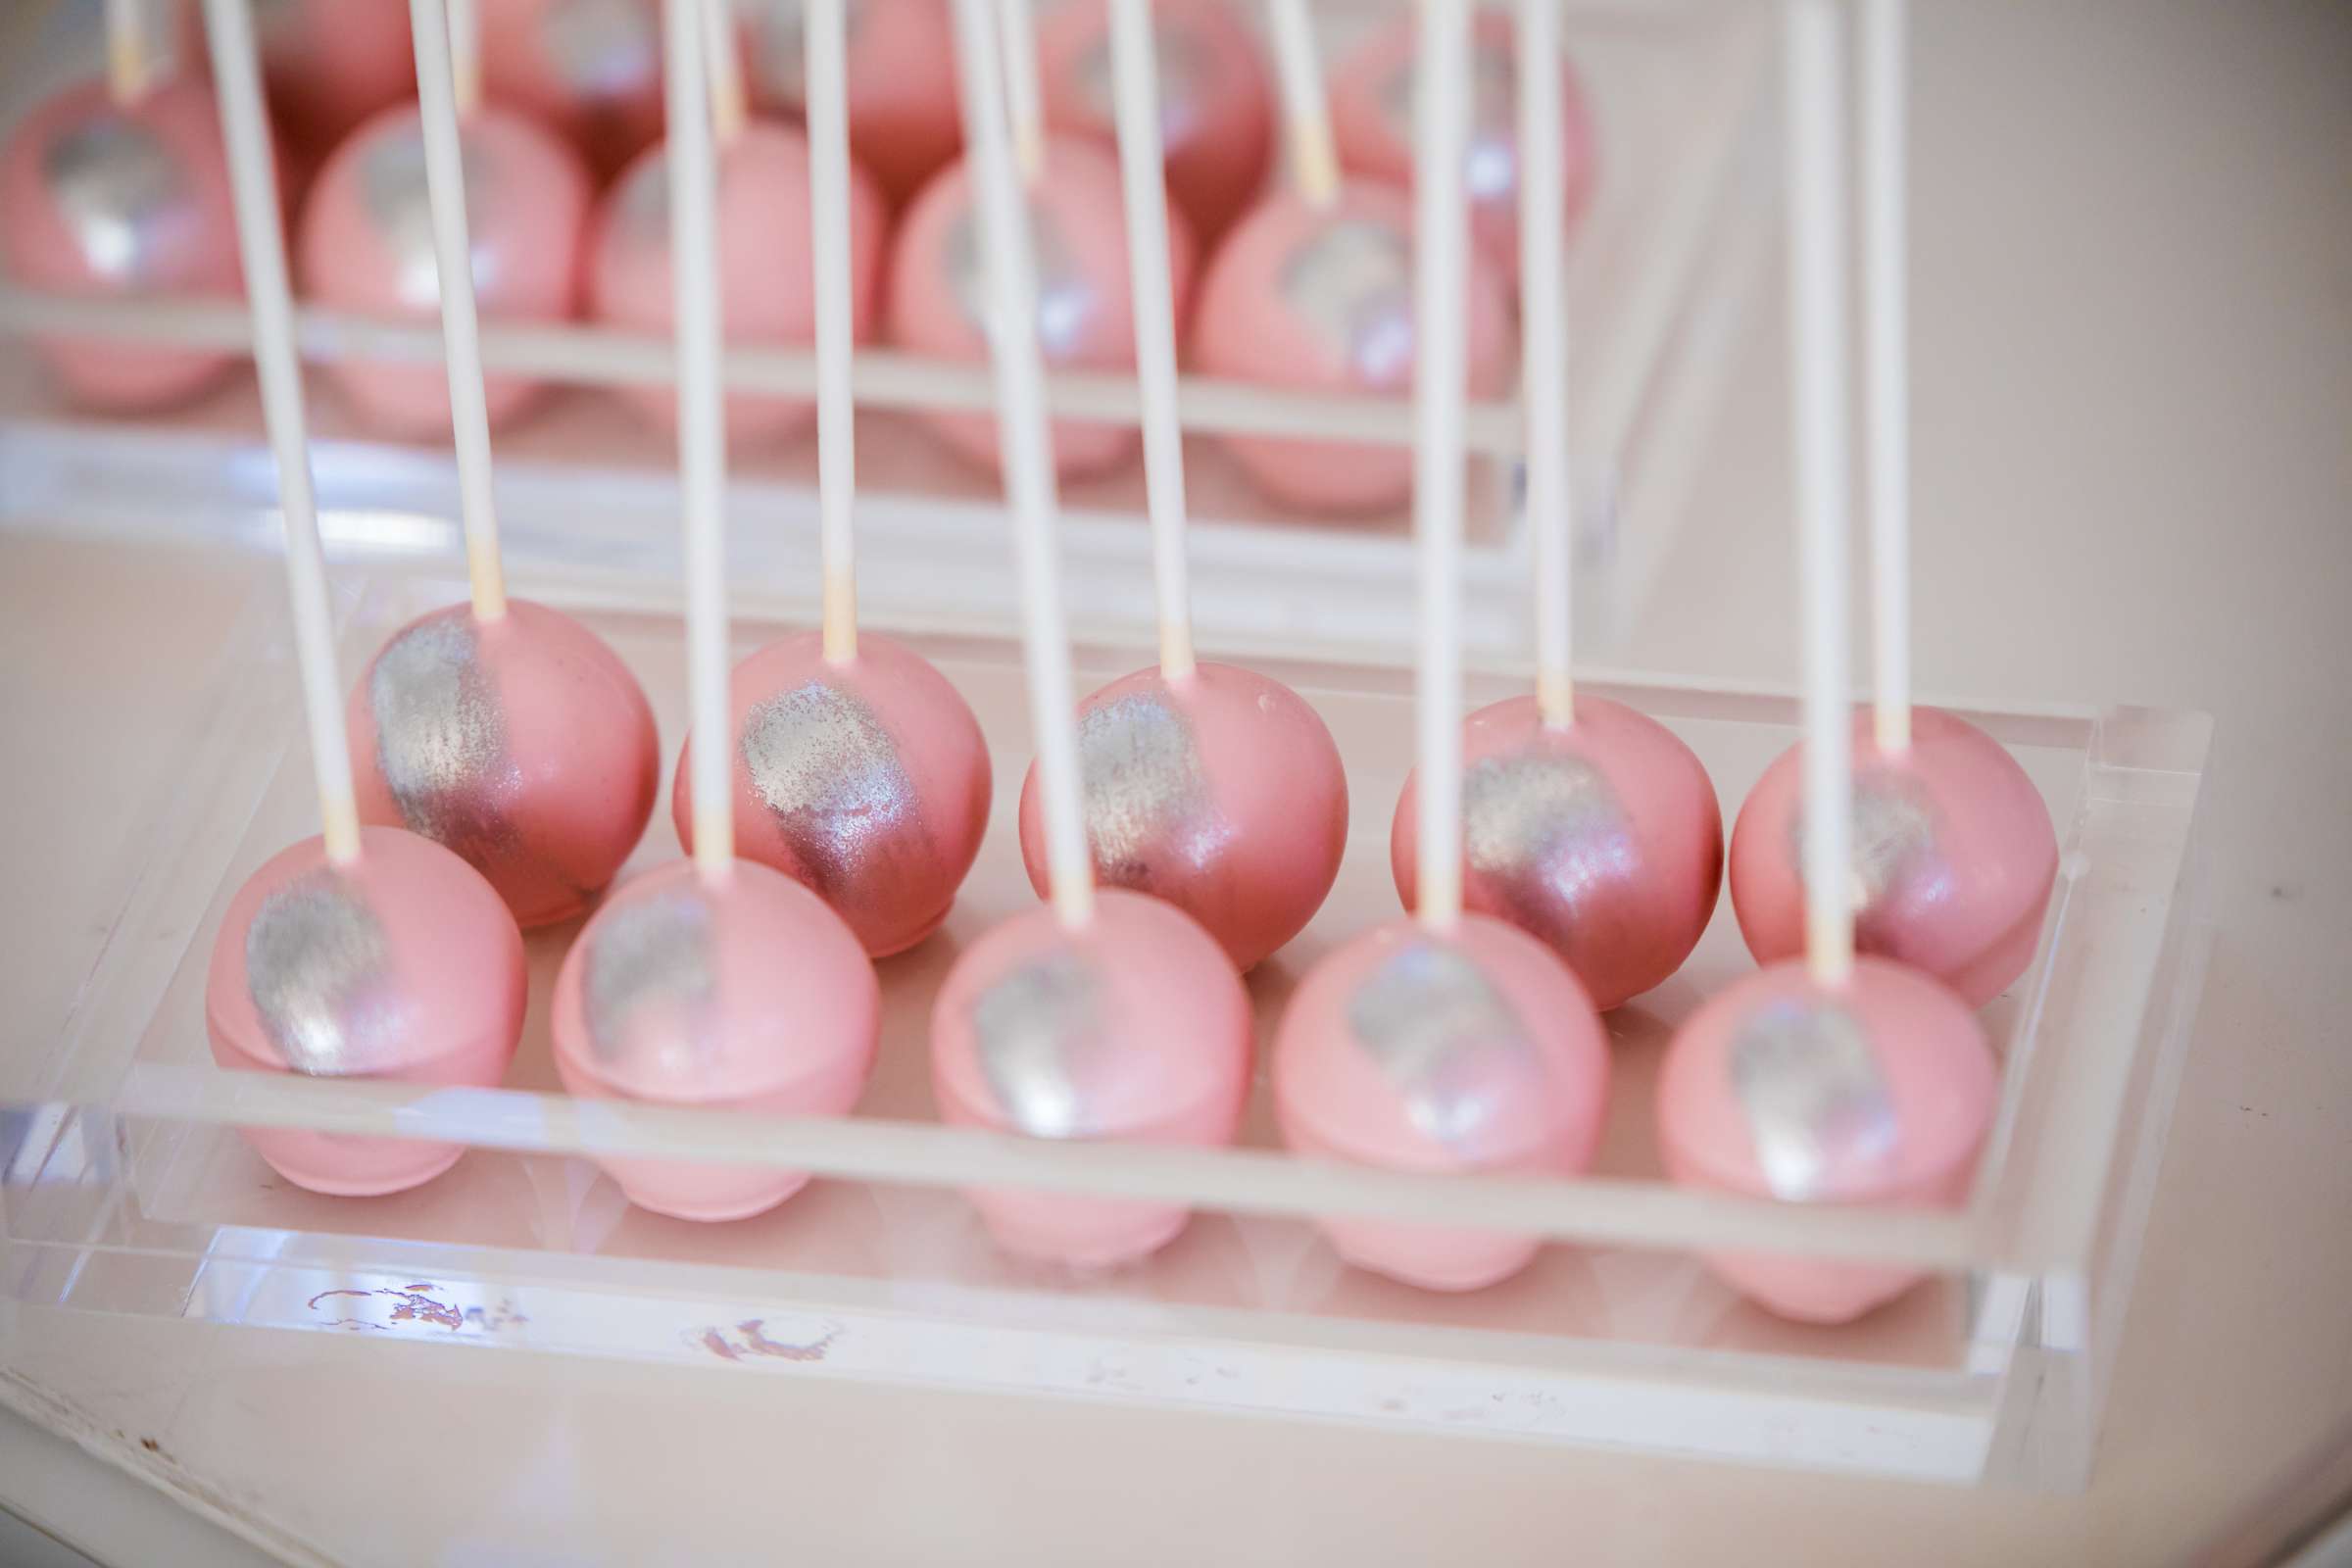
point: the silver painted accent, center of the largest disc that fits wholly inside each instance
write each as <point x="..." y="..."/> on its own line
<point x="320" y="972"/>
<point x="1449" y="1040"/>
<point x="650" y="981"/>
<point x="1545" y="834"/>
<point x="1814" y="1099"/>
<point x="392" y="187"/>
<point x="1066" y="298"/>
<point x="117" y="189"/>
<point x="602" y="48"/>
<point x="1491" y="160"/>
<point x="1184" y="76"/>
<point x="1353" y="281"/>
<point x="1039" y="1034"/>
<point x="441" y="737"/>
<point x="1150" y="823"/>
<point x="828" y="769"/>
<point x="1895" y="851"/>
<point x="777" y="57"/>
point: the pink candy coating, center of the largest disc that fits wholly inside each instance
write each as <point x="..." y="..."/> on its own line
<point x="764" y="267"/>
<point x="326" y="64"/>
<point x="751" y="996"/>
<point x="1135" y="1028"/>
<point x="402" y="967"/>
<point x="1320" y="300"/>
<point x="523" y="744"/>
<point x="366" y="245"/>
<point x="1086" y="321"/>
<point x="1602" y="839"/>
<point x="1221" y="793"/>
<point x="1890" y="1108"/>
<point x="905" y="118"/>
<point x="1472" y="1051"/>
<point x="1372" y="127"/>
<point x="590" y="69"/>
<point x="98" y="200"/>
<point x="1954" y="855"/>
<point x="1217" y="111"/>
<point x="868" y="781"/>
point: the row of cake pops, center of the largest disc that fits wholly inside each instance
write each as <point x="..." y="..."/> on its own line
<point x="1455" y="1041"/>
<point x="119" y="188"/>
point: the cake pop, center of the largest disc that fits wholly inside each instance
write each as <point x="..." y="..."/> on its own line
<point x="362" y="953"/>
<point x="1954" y="855"/>
<point x="1312" y="290"/>
<point x="1449" y="1043"/>
<point x="1372" y="121"/>
<point x="1469" y="1051"/>
<point x="857" y="770"/>
<point x="1212" y="787"/>
<point x="902" y="82"/>
<point x="502" y="729"/>
<point x="122" y="199"/>
<point x="763" y="260"/>
<point x="1602" y="837"/>
<point x="1083" y="309"/>
<point x="1105" y="1015"/>
<point x="366" y="244"/>
<point x="590" y="68"/>
<point x="1832" y="1079"/>
<point x="1216" y="110"/>
<point x="714" y="982"/>
<point x="328" y="64"/>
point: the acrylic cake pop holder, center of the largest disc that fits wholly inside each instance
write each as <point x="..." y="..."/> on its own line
<point x="129" y="1191"/>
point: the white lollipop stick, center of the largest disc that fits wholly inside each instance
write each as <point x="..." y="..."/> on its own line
<point x="723" y="69"/>
<point x="1441" y="222"/>
<point x="461" y="331"/>
<point x="1027" y="448"/>
<point x="137" y="55"/>
<point x="1544" y="353"/>
<point x="1024" y="100"/>
<point x="1314" y="156"/>
<point x="702" y="434"/>
<point x="1887" y="308"/>
<point x="827" y="56"/>
<point x="465" y="55"/>
<point x="1135" y="88"/>
<point x="1819" y="397"/>
<point x="253" y="182"/>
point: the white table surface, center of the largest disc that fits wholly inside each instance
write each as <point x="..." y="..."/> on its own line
<point x="2133" y="290"/>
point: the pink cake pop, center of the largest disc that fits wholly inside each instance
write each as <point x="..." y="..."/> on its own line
<point x="366" y="245"/>
<point x="1954" y="857"/>
<point x="1321" y="298"/>
<point x="1220" y="792"/>
<point x="763" y="257"/>
<point x="328" y="64"/>
<point x="1085" y="308"/>
<point x="590" y="68"/>
<point x="1602" y="837"/>
<point x="119" y="200"/>
<point x="750" y="995"/>
<point x="1881" y="1092"/>
<point x="1468" y="1052"/>
<point x="902" y="82"/>
<point x="866" y="780"/>
<point x="522" y="742"/>
<point x="1132" y="1028"/>
<point x="1216" y="112"/>
<point x="401" y="965"/>
<point x="1372" y="123"/>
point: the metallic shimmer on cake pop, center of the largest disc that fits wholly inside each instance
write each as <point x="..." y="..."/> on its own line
<point x="319" y="971"/>
<point x="1893" y="843"/>
<point x="828" y="769"/>
<point x="1039" y="1035"/>
<point x="1149" y="819"/>
<point x="1353" y="282"/>
<point x="1540" y="832"/>
<point x="118" y="187"/>
<point x="441" y="737"/>
<point x="392" y="185"/>
<point x="1184" y="66"/>
<point x="1490" y="168"/>
<point x="652" y="975"/>
<point x="1448" y="1039"/>
<point x="1066" y="298"/>
<point x="1814" y="1099"/>
<point x="779" y="44"/>
<point x="601" y="48"/>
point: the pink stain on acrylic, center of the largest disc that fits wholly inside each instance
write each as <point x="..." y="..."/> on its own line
<point x="755" y="1342"/>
